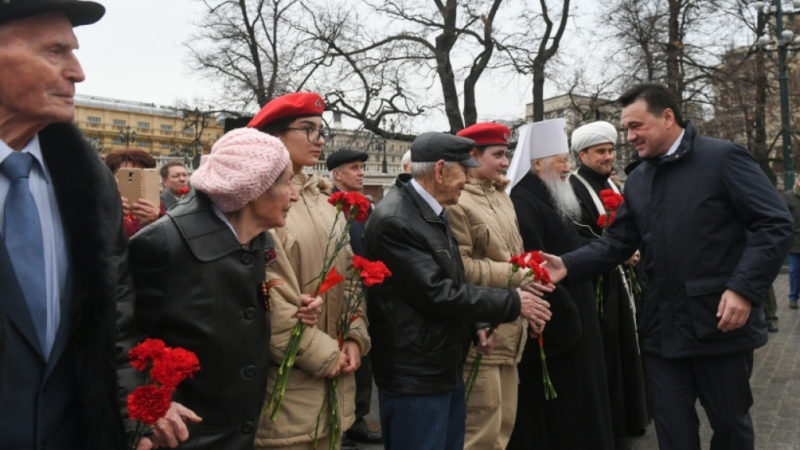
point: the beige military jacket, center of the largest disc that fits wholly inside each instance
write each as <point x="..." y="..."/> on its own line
<point x="300" y="247"/>
<point x="485" y="226"/>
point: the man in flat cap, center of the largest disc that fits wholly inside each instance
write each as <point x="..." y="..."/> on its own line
<point x="62" y="242"/>
<point x="546" y="207"/>
<point x="423" y="318"/>
<point x="347" y="172"/>
<point x="594" y="145"/>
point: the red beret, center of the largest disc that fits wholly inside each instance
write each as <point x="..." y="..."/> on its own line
<point x="487" y="133"/>
<point x="298" y="104"/>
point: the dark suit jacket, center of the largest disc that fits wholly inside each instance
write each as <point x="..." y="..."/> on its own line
<point x="70" y="400"/>
<point x="706" y="219"/>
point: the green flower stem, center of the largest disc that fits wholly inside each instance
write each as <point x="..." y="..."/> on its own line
<point x="549" y="389"/>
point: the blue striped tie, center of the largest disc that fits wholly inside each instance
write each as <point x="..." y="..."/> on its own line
<point x="23" y="240"/>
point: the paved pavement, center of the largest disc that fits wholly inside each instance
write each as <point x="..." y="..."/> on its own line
<point x="775" y="382"/>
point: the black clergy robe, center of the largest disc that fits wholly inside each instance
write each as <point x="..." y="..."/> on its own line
<point x="617" y="319"/>
<point x="580" y="417"/>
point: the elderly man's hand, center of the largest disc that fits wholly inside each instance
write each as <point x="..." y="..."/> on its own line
<point x="486" y="341"/>
<point x="534" y="309"/>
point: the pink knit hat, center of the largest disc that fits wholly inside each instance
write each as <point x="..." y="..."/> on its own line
<point x="242" y="165"/>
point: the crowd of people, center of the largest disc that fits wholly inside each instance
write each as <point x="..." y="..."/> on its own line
<point x="654" y="300"/>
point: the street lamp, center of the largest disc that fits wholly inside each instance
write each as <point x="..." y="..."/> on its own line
<point x="784" y="38"/>
<point x="127" y="136"/>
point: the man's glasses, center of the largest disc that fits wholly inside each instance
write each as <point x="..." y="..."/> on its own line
<point x="314" y="134"/>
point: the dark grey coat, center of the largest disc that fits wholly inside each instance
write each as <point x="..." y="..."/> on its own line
<point x="706" y="219"/>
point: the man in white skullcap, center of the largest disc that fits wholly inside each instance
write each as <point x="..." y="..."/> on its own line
<point x="546" y="208"/>
<point x="614" y="290"/>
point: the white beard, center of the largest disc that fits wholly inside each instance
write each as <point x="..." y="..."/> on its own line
<point x="566" y="202"/>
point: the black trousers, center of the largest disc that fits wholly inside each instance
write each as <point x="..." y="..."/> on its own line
<point x="722" y="383"/>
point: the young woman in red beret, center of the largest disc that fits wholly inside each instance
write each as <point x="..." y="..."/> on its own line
<point x="296" y="119"/>
<point x="485" y="225"/>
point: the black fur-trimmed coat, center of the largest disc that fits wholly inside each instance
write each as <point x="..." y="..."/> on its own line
<point x="70" y="400"/>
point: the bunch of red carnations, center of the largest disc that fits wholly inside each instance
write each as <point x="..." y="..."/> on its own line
<point x="354" y="207"/>
<point x="532" y="261"/>
<point x="166" y="367"/>
<point x="364" y="273"/>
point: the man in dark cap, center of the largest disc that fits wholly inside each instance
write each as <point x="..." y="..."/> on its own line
<point x="62" y="242"/>
<point x="423" y="318"/>
<point x="347" y="173"/>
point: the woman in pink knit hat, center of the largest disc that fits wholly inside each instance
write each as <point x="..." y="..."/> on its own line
<point x="200" y="284"/>
<point x="296" y="120"/>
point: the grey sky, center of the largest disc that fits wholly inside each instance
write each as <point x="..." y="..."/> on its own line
<point x="136" y="52"/>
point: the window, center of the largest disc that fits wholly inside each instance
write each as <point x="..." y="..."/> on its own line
<point x="118" y="141"/>
<point x="143" y="144"/>
<point x="93" y="119"/>
<point x="188" y="130"/>
<point x="165" y="145"/>
<point x="143" y="125"/>
<point x="119" y="123"/>
<point x="165" y="127"/>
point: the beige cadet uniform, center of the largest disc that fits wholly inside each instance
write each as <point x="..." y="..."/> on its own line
<point x="485" y="225"/>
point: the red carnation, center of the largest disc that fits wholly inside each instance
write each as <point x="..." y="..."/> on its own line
<point x="145" y="353"/>
<point x="374" y="273"/>
<point x="535" y="256"/>
<point x="353" y="204"/>
<point x="337" y="199"/>
<point x="611" y="200"/>
<point x="331" y="279"/>
<point x="518" y="261"/>
<point x="360" y="263"/>
<point x="174" y="366"/>
<point x="149" y="403"/>
<point x="183" y="191"/>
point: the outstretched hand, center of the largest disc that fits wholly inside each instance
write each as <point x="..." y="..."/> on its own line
<point x="556" y="267"/>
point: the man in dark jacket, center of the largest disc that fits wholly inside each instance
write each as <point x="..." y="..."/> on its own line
<point x="347" y="171"/>
<point x="62" y="242"/>
<point x="423" y="318"/>
<point x="579" y="417"/>
<point x="594" y="144"/>
<point x="792" y="198"/>
<point x="713" y="234"/>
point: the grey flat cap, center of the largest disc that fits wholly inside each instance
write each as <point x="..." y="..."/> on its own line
<point x="433" y="146"/>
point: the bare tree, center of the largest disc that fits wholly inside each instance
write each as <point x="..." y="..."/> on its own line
<point x="451" y="23"/>
<point x="254" y="48"/>
<point x="672" y="42"/>
<point x="529" y="54"/>
<point x="371" y="85"/>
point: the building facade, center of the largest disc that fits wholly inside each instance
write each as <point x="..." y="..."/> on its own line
<point x="164" y="132"/>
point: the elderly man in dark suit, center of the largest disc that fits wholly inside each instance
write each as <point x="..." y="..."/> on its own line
<point x="713" y="233"/>
<point x="62" y="242"/>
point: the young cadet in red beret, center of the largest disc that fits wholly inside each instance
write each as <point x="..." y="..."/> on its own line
<point x="296" y="119"/>
<point x="485" y="225"/>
